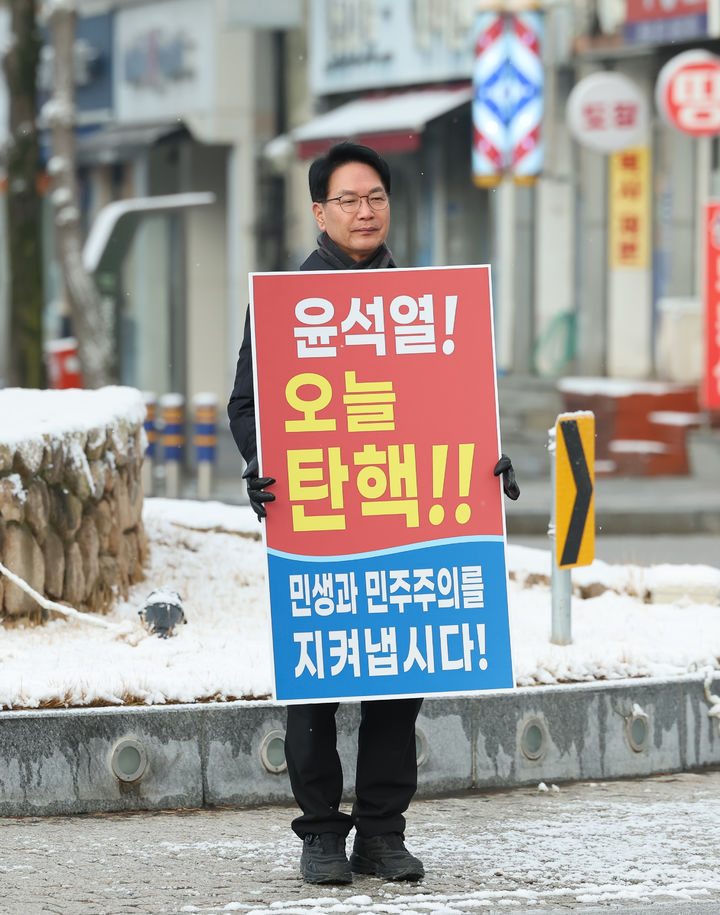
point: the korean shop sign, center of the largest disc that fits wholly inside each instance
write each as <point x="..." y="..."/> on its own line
<point x="629" y="217"/>
<point x="606" y="112"/>
<point x="377" y="414"/>
<point x="687" y="93"/>
<point x="710" y="388"/>
<point x="664" y="21"/>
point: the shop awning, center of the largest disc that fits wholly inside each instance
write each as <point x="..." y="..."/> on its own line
<point x="120" y="141"/>
<point x="388" y="123"/>
<point x="105" y="242"/>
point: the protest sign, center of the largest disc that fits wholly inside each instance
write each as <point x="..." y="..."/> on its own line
<point x="376" y="408"/>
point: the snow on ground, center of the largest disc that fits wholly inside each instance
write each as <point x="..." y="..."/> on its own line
<point x="31" y="416"/>
<point x="212" y="556"/>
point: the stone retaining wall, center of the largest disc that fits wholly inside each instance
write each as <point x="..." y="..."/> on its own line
<point x="71" y="503"/>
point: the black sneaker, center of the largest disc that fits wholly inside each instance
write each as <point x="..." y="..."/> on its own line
<point x="385" y="856"/>
<point x="323" y="859"/>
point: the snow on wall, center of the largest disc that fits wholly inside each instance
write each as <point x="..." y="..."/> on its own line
<point x="70" y="495"/>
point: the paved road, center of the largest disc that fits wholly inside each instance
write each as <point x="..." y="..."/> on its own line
<point x="588" y="847"/>
<point x="652" y="549"/>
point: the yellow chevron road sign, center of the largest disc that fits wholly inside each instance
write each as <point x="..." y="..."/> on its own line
<point x="574" y="489"/>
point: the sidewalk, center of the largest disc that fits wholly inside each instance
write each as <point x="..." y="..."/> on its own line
<point x="586" y="847"/>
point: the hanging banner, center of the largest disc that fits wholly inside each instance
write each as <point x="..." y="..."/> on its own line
<point x="385" y="545"/>
<point x="508" y="96"/>
<point x="629" y="218"/>
<point x="710" y="388"/>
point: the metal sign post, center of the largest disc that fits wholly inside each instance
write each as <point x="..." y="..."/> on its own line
<point x="572" y="445"/>
<point x="560" y="579"/>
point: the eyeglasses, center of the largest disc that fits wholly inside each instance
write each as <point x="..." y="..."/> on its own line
<point x="350" y="203"/>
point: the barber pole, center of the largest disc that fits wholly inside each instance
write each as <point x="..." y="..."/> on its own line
<point x="508" y="83"/>
<point x="710" y="390"/>
<point x="490" y="138"/>
<point x="526" y="107"/>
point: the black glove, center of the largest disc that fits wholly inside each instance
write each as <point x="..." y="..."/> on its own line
<point x="255" y="489"/>
<point x="504" y="466"/>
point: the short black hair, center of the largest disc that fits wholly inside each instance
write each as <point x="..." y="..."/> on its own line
<point x="323" y="167"/>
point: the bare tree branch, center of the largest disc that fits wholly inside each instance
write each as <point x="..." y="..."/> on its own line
<point x="21" y="158"/>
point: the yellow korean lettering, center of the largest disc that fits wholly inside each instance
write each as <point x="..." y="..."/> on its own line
<point x="400" y="470"/>
<point x="407" y="507"/>
<point x="309" y="407"/>
<point x="305" y="483"/>
<point x="338" y="475"/>
<point x="371" y="480"/>
<point x="303" y="522"/>
<point x="369" y="404"/>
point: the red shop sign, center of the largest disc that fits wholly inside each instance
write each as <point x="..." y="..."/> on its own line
<point x="710" y="388"/>
<point x="650" y="10"/>
<point x="687" y="93"/>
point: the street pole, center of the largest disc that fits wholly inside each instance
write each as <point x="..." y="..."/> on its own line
<point x="560" y="579"/>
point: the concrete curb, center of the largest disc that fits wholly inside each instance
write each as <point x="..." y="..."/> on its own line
<point x="59" y="761"/>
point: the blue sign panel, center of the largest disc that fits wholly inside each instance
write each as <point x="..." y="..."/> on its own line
<point x="426" y="620"/>
<point x="666" y="31"/>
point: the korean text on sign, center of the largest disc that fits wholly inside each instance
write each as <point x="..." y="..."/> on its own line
<point x="386" y="565"/>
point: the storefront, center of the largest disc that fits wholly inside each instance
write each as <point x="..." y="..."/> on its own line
<point x="644" y="313"/>
<point x="399" y="77"/>
<point x="410" y="99"/>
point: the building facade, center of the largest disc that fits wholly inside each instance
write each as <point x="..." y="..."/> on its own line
<point x="172" y="97"/>
<point x="566" y="297"/>
<point x="179" y="96"/>
<point x="640" y="313"/>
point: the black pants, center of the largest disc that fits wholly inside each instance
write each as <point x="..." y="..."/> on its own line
<point x="386" y="775"/>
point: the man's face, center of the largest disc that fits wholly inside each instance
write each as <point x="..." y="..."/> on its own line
<point x="356" y="234"/>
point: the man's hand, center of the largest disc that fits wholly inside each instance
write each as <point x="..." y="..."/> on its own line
<point x="504" y="466"/>
<point x="256" y="489"/>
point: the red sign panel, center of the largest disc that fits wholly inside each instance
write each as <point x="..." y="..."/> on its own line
<point x="363" y="364"/>
<point x="648" y="10"/>
<point x="711" y="376"/>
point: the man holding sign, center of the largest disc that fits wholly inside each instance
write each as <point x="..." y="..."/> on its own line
<point x="321" y="573"/>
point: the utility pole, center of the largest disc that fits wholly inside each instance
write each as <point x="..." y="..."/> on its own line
<point x="25" y="358"/>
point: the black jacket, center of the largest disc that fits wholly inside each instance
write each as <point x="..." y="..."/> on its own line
<point x="241" y="408"/>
